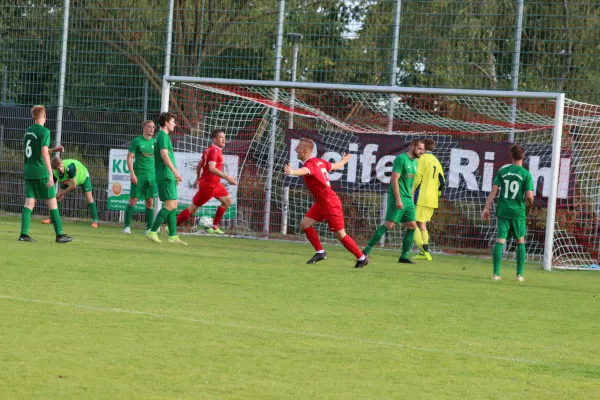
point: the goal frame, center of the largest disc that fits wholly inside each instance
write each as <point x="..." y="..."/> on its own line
<point x="559" y="99"/>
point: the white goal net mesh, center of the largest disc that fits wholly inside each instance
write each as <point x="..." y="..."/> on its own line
<point x="472" y="136"/>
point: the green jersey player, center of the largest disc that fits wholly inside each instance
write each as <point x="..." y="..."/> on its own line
<point x="143" y="177"/>
<point x="37" y="173"/>
<point x="515" y="186"/>
<point x="400" y="204"/>
<point x="71" y="174"/>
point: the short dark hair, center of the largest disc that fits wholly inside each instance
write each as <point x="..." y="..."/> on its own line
<point x="517" y="152"/>
<point x="215" y="132"/>
<point x="55" y="163"/>
<point x="165" y="117"/>
<point x="415" y="142"/>
<point x="429" y="144"/>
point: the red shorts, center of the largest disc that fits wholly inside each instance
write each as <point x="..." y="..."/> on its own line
<point x="334" y="217"/>
<point x="207" y="192"/>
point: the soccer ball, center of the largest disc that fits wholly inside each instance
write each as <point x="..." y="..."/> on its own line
<point x="205" y="222"/>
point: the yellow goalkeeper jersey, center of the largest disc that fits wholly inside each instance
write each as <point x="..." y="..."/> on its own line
<point x="428" y="181"/>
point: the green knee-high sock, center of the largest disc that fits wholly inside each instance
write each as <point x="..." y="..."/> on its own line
<point x="377" y="235"/>
<point x="521" y="256"/>
<point x="160" y="217"/>
<point x="172" y="223"/>
<point x="93" y="211"/>
<point x="407" y="242"/>
<point x="128" y="215"/>
<point x="497" y="257"/>
<point x="418" y="239"/>
<point x="25" y="220"/>
<point x="56" y="221"/>
<point x="149" y="218"/>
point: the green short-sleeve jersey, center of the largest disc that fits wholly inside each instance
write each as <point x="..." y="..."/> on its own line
<point x="163" y="141"/>
<point x="143" y="150"/>
<point x="73" y="169"/>
<point x="36" y="137"/>
<point x="407" y="168"/>
<point x="513" y="182"/>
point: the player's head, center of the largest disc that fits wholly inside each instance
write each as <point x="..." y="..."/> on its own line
<point x="38" y="114"/>
<point x="517" y="152"/>
<point x="148" y="128"/>
<point x="305" y="148"/>
<point x="429" y="144"/>
<point x="166" y="121"/>
<point x="416" y="148"/>
<point x="218" y="137"/>
<point x="57" y="164"/>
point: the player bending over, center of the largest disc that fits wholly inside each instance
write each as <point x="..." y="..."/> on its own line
<point x="71" y="174"/>
<point x="327" y="203"/>
<point x="167" y="179"/>
<point x="401" y="207"/>
<point x="209" y="174"/>
<point x="143" y="176"/>
<point x="516" y="187"/>
<point x="37" y="173"/>
<point x="428" y="186"/>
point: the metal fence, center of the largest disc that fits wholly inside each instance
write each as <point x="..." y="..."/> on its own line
<point x="115" y="54"/>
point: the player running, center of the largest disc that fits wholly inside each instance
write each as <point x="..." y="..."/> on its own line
<point x="429" y="184"/>
<point x="516" y="188"/>
<point x="143" y="177"/>
<point x="167" y="179"/>
<point x="401" y="208"/>
<point x="71" y="174"/>
<point x="209" y="173"/>
<point x="37" y="172"/>
<point x="327" y="206"/>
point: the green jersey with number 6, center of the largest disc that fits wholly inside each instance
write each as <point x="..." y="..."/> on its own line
<point x="513" y="182"/>
<point x="36" y="137"/>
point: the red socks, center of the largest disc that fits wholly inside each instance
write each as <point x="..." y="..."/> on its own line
<point x="351" y="246"/>
<point x="313" y="238"/>
<point x="183" y="216"/>
<point x="218" y="215"/>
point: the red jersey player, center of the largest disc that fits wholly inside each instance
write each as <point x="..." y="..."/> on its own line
<point x="328" y="206"/>
<point x="209" y="174"/>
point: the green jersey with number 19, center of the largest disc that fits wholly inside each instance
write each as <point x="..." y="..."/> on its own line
<point x="36" y="137"/>
<point x="513" y="182"/>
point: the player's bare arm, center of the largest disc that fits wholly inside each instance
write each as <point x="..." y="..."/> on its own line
<point x="396" y="189"/>
<point x="486" y="210"/>
<point x="57" y="149"/>
<point x="340" y="164"/>
<point x="134" y="179"/>
<point x="46" y="158"/>
<point x="164" y="155"/>
<point x="287" y="169"/>
<point x="199" y="171"/>
<point x="529" y="197"/>
<point x="212" y="167"/>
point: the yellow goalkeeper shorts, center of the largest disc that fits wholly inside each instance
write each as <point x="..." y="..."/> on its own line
<point x="424" y="214"/>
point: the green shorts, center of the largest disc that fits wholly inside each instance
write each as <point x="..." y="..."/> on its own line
<point x="167" y="190"/>
<point x="86" y="186"/>
<point x="36" y="189"/>
<point x="144" y="189"/>
<point x="407" y="214"/>
<point x="518" y="227"/>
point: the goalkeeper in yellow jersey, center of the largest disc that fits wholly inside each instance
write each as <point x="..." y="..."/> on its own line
<point x="427" y="188"/>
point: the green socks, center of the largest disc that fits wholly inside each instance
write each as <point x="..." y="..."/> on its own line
<point x="128" y="215"/>
<point x="25" y="221"/>
<point x="160" y="217"/>
<point x="56" y="221"/>
<point x="93" y="211"/>
<point x="497" y="257"/>
<point x="407" y="242"/>
<point x="172" y="223"/>
<point x="149" y="218"/>
<point x="521" y="256"/>
<point x="377" y="235"/>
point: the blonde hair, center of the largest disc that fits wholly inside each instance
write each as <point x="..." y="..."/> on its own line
<point x="37" y="112"/>
<point x="146" y="122"/>
<point x="311" y="144"/>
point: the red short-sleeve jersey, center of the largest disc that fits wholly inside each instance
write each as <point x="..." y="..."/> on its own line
<point x="212" y="154"/>
<point x="317" y="181"/>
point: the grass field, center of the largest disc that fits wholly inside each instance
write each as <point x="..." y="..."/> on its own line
<point x="111" y="316"/>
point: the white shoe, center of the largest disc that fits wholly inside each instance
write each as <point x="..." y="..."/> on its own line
<point x="147" y="232"/>
<point x="520" y="278"/>
<point x="127" y="230"/>
<point x="496" y="278"/>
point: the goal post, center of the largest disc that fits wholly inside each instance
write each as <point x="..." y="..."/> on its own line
<point x="472" y="129"/>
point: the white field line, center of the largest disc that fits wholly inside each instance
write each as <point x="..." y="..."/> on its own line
<point x="277" y="330"/>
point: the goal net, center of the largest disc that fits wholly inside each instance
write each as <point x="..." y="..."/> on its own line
<point x="473" y="135"/>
